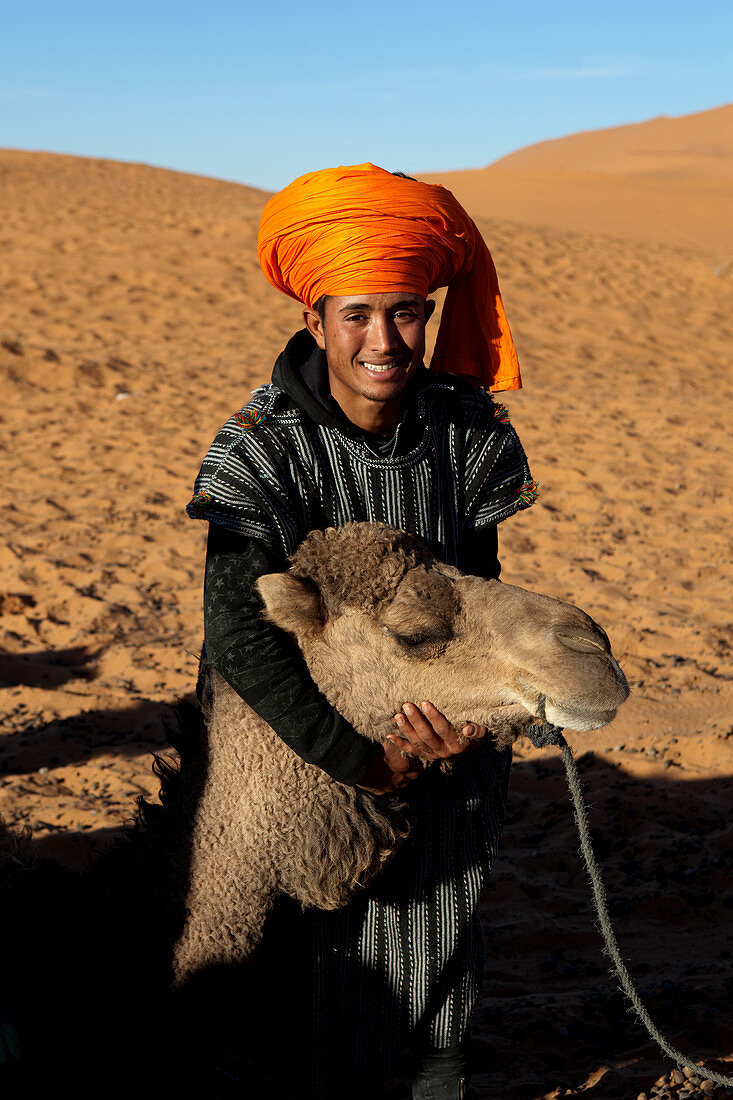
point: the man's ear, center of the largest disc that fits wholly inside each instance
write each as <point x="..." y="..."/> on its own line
<point x="291" y="603"/>
<point x="314" y="324"/>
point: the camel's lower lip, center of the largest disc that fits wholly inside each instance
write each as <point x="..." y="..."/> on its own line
<point x="575" y="718"/>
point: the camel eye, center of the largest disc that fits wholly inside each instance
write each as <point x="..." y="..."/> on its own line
<point x="427" y="645"/>
<point x="412" y="641"/>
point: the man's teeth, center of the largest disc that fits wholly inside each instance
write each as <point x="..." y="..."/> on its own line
<point x="379" y="369"/>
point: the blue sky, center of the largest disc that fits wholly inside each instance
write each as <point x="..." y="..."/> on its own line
<point x="262" y="92"/>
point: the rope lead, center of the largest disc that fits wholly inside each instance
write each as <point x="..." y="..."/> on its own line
<point x="542" y="735"/>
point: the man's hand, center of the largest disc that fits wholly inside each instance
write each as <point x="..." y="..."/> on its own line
<point x="425" y="732"/>
<point x="390" y="771"/>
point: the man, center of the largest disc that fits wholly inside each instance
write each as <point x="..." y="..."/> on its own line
<point x="355" y="428"/>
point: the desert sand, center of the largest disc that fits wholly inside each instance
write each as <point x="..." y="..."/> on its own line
<point x="134" y="319"/>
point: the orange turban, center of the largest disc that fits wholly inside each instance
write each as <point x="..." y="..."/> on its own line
<point x="361" y="230"/>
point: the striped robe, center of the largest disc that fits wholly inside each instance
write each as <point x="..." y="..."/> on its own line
<point x="275" y="474"/>
<point x="402" y="964"/>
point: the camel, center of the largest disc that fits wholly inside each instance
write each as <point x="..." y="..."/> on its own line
<point x="380" y="621"/>
<point x="181" y="900"/>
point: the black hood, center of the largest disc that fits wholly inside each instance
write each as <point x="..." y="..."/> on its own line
<point x="301" y="371"/>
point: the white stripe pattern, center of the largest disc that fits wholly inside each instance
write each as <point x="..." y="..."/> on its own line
<point x="288" y="475"/>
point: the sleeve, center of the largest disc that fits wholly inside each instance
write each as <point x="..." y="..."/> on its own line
<point x="246" y="484"/>
<point x="264" y="665"/>
<point x="497" y="481"/>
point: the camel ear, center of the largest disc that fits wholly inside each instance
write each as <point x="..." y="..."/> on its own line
<point x="291" y="603"/>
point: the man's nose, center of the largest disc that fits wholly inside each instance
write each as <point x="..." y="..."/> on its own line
<point x="383" y="334"/>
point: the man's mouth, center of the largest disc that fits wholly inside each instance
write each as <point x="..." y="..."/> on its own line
<point x="380" y="368"/>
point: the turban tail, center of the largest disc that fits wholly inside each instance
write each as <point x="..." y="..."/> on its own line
<point x="361" y="230"/>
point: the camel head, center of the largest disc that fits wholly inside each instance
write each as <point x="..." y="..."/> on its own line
<point x="380" y="622"/>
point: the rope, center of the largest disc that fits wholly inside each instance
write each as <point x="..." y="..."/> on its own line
<point x="547" y="734"/>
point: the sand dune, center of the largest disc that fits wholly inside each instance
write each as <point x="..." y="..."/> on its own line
<point x="133" y="319"/>
<point x="667" y="181"/>
<point x="697" y="145"/>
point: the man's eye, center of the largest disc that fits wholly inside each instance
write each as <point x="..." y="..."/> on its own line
<point x="356" y="317"/>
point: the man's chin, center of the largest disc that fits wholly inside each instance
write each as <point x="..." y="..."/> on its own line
<point x="386" y="392"/>
<point x="387" y="395"/>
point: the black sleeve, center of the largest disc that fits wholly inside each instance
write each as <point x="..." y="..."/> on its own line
<point x="478" y="552"/>
<point x="264" y="665"/>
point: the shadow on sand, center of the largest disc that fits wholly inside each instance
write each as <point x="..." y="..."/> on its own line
<point x="87" y="957"/>
<point x="129" y="731"/>
<point x="550" y="1016"/>
<point x="47" y="668"/>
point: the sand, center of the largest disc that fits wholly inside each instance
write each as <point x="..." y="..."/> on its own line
<point x="134" y="319"/>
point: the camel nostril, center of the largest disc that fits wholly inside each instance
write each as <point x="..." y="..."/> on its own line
<point x="582" y="644"/>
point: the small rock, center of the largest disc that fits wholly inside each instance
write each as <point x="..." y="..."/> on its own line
<point x="676" y="1076"/>
<point x="43" y="771"/>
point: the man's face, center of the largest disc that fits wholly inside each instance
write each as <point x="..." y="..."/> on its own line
<point x="373" y="342"/>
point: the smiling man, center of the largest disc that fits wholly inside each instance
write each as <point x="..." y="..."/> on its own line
<point x="374" y="344"/>
<point x="352" y="428"/>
